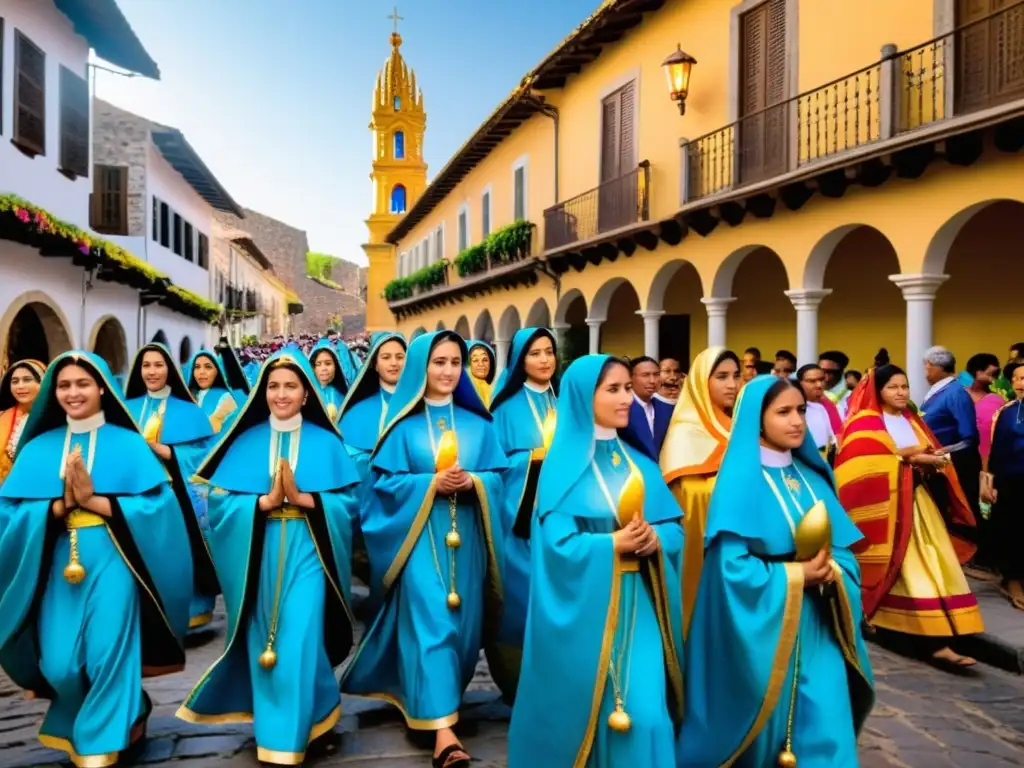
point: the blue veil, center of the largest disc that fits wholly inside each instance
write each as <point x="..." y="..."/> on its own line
<point x="362" y="433"/>
<point x="341" y="376"/>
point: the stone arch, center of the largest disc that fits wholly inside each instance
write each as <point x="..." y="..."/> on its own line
<point x="659" y="286"/>
<point x="462" y="327"/>
<point x="418" y="332"/>
<point x="33" y="326"/>
<point x="539" y="315"/>
<point x="566" y="302"/>
<point x="942" y="241"/>
<point x="185" y="350"/>
<point x="160" y="338"/>
<point x="603" y="298"/>
<point x="509" y="323"/>
<point x="483" y="328"/>
<point x="108" y="340"/>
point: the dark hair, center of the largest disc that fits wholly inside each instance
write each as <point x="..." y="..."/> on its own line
<point x="26" y="367"/>
<point x="805" y="369"/>
<point x="1010" y="368"/>
<point x="611" y="362"/>
<point x="857" y="375"/>
<point x="883" y="374"/>
<point x="763" y="366"/>
<point x="753" y="351"/>
<point x="881" y="358"/>
<point x="835" y="356"/>
<point x="1018" y="347"/>
<point x="785" y="354"/>
<point x="726" y="354"/>
<point x="981" y="362"/>
<point x="664" y="358"/>
<point x="634" y="362"/>
<point x="776" y="389"/>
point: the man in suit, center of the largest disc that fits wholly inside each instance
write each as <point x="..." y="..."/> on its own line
<point x="648" y="416"/>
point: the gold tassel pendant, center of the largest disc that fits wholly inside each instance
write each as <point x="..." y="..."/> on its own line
<point x="787" y="759"/>
<point x="618" y="720"/>
<point x="268" y="659"/>
<point x="74" y="571"/>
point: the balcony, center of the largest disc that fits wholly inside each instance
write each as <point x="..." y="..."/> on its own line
<point x="975" y="71"/>
<point x="617" y="203"/>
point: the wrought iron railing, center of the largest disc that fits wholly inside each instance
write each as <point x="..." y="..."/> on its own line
<point x="616" y="203"/>
<point x="976" y="66"/>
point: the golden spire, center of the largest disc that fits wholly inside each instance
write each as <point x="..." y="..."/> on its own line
<point x="396" y="88"/>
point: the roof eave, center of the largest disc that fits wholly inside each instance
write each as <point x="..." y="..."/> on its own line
<point x="191" y="167"/>
<point x="108" y="32"/>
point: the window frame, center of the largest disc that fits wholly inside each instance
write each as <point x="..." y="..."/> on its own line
<point x="97" y="208"/>
<point x="67" y="80"/>
<point x="486" y="212"/>
<point x="523" y="163"/>
<point x="29" y="148"/>
<point x="463" y="235"/>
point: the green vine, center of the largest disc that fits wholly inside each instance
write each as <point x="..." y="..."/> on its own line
<point x="97" y="252"/>
<point x="426" y="278"/>
<point x="510" y="243"/>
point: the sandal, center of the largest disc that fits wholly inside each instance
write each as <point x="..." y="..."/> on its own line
<point x="1016" y="600"/>
<point x="950" y="659"/>
<point x="447" y="757"/>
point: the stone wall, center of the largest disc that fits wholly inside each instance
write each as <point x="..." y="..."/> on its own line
<point x="321" y="302"/>
<point x="121" y="138"/>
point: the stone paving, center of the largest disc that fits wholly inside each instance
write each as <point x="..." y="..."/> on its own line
<point x="925" y="718"/>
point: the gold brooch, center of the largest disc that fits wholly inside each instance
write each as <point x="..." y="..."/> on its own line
<point x="616" y="459"/>
<point x="792" y="483"/>
<point x="442" y="424"/>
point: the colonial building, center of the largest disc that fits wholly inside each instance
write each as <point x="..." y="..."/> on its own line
<point x="154" y="196"/>
<point x="399" y="176"/>
<point x="815" y="175"/>
<point x="65" y="286"/>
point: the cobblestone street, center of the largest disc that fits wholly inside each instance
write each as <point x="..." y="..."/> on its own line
<point x="924" y="718"/>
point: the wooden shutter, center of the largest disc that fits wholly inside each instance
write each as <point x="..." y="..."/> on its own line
<point x="519" y="202"/>
<point x="627" y="126"/>
<point x="204" y="251"/>
<point x="989" y="53"/>
<point x="29" y="95"/>
<point x="763" y="135"/>
<point x="74" y="124"/>
<point x="610" y="138"/>
<point x="109" y="206"/>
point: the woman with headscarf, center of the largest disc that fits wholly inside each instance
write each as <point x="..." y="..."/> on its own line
<point x="281" y="502"/>
<point x="330" y="377"/>
<point x="209" y="386"/>
<point x="432" y="530"/>
<point x="912" y="551"/>
<point x="776" y="669"/>
<point x="693" y="449"/>
<point x="180" y="434"/>
<point x="481" y="367"/>
<point x="97" y="571"/>
<point x="601" y="684"/>
<point x="19" y="387"/>
<point x="524" y="418"/>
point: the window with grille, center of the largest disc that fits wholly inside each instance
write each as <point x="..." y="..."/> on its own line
<point x="108" y="213"/>
<point x="29" y="96"/>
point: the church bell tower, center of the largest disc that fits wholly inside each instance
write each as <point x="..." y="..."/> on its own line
<point x="399" y="174"/>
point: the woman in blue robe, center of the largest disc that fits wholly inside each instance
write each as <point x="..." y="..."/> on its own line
<point x="601" y="684"/>
<point x="349" y="362"/>
<point x="97" y="574"/>
<point x="776" y="667"/>
<point x="180" y="435"/>
<point x="234" y="374"/>
<point x="524" y="418"/>
<point x="209" y="385"/>
<point x="365" y="409"/>
<point x="330" y="377"/>
<point x="280" y="505"/>
<point x="433" y="533"/>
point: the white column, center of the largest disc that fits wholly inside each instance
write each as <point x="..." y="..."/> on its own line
<point x="594" y="324"/>
<point x="501" y="354"/>
<point x="652" y="330"/>
<point x="561" y="333"/>
<point x="717" y="308"/>
<point x="806" y="303"/>
<point x="919" y="294"/>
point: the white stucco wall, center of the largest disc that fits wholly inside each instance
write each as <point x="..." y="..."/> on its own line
<point x="37" y="179"/>
<point x="176" y="327"/>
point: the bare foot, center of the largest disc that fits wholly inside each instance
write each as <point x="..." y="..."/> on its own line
<point x="947" y="654"/>
<point x="1015" y="593"/>
<point x="446" y="738"/>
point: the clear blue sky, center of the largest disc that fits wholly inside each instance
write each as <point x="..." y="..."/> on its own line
<point x="275" y="95"/>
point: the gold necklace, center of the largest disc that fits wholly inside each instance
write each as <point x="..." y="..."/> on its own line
<point x="452" y="539"/>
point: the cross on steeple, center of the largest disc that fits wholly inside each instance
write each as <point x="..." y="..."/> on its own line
<point x="396" y="18"/>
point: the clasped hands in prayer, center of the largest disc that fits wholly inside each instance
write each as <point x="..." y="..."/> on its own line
<point x="453" y="480"/>
<point x="637" y="537"/>
<point x="285" y="491"/>
<point x="78" y="489"/>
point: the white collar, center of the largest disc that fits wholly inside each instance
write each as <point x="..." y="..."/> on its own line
<point x="668" y="400"/>
<point x="773" y="458"/>
<point x="446" y="400"/>
<point x="88" y="424"/>
<point x="389" y="388"/>
<point x="604" y="433"/>
<point x="534" y="388"/>
<point x="938" y="386"/>
<point x="645" y="406"/>
<point x="286" y="425"/>
<point x="161" y="394"/>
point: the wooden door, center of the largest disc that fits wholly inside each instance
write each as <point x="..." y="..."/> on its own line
<point x="989" y="50"/>
<point x="618" y="192"/>
<point x="762" y="136"/>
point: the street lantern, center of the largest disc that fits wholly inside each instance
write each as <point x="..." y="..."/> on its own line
<point x="677" y="72"/>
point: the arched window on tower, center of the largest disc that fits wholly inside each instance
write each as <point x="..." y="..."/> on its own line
<point x="398" y="199"/>
<point x="399" y="145"/>
<point x="398" y="103"/>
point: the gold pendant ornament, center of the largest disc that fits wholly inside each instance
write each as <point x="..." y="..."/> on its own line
<point x="787" y="759"/>
<point x="74" y="571"/>
<point x="616" y="459"/>
<point x="453" y="540"/>
<point x="268" y="659"/>
<point x="618" y="720"/>
<point x="454" y="601"/>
